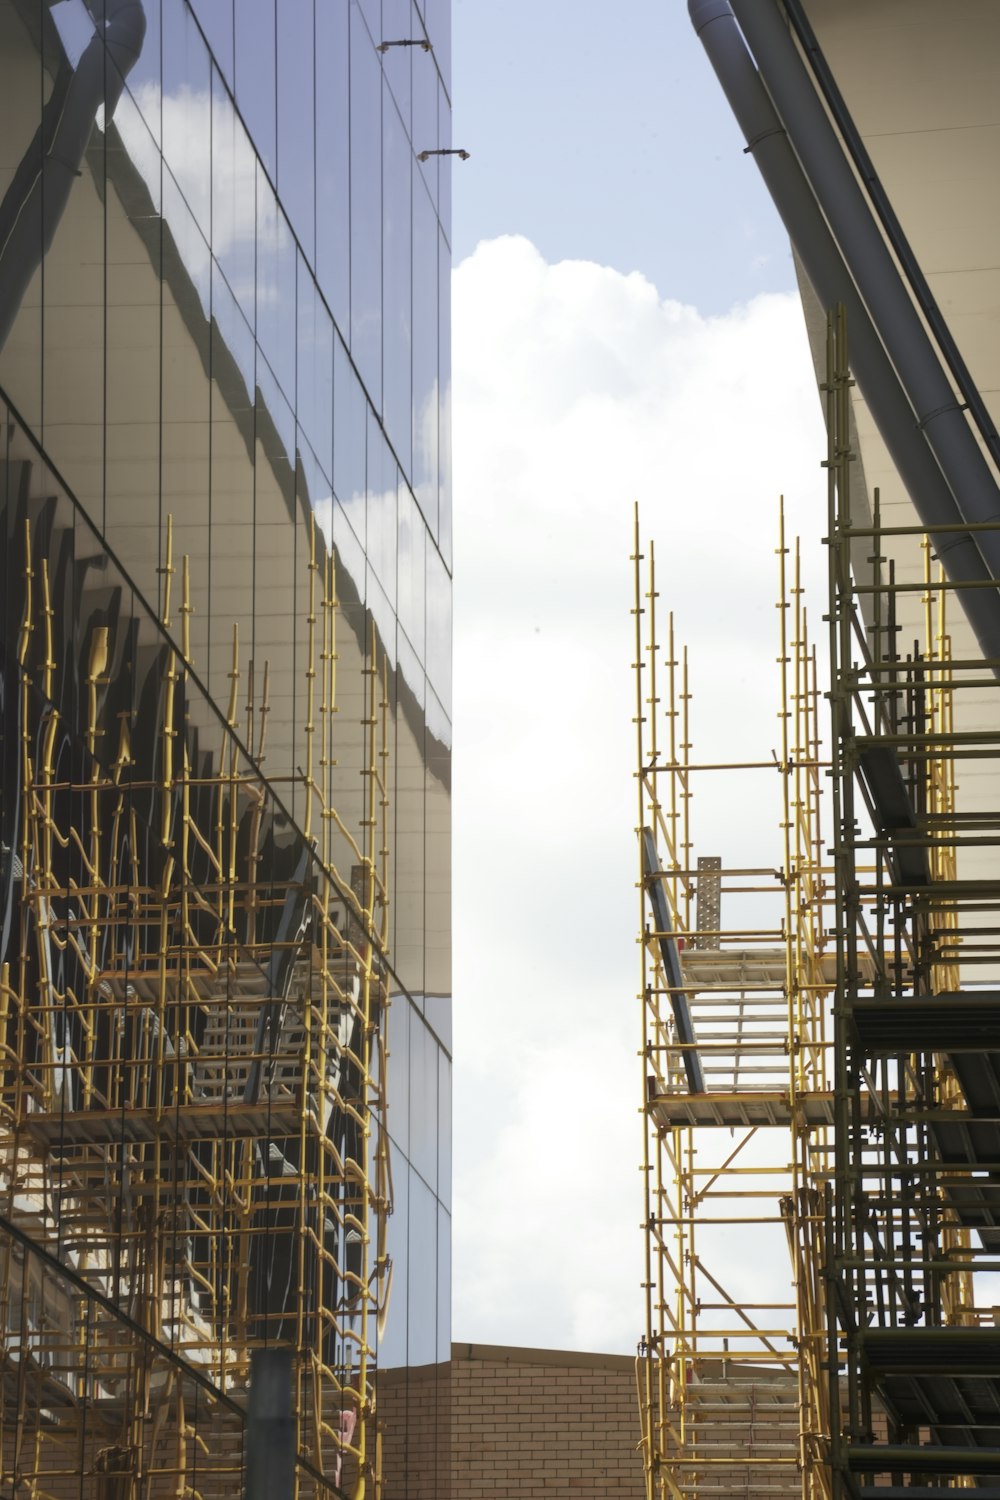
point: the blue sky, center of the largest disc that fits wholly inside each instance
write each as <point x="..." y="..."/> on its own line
<point x="625" y="329"/>
<point x="599" y="132"/>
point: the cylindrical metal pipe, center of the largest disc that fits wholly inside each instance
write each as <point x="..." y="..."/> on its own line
<point x="39" y="191"/>
<point x="873" y="270"/>
<point x="918" y="468"/>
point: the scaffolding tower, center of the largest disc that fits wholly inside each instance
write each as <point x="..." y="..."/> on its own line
<point x="193" y="1155"/>
<point x="737" y="1096"/>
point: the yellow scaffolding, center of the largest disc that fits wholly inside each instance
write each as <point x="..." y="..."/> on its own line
<point x="192" y="1070"/>
<point x="736" y="1097"/>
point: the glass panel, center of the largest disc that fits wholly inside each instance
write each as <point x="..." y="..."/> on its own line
<point x="438" y="16"/>
<point x="366" y="208"/>
<point x="422" y="1257"/>
<point x="187" y="260"/>
<point x="371" y="11"/>
<point x="444" y="1128"/>
<point x="392" y="1344"/>
<point x="296" y="118"/>
<point x="315" y="485"/>
<point x="425" y="117"/>
<point x="216" y="18"/>
<point x="275" y="286"/>
<point x="27" y="90"/>
<point x="132" y="138"/>
<point x="314" y="386"/>
<point x="255" y="74"/>
<point x="439" y="628"/>
<point x="413" y="677"/>
<point x="303" y="662"/>
<point x="275" y="542"/>
<point x="234" y="198"/>
<point x="232" y="480"/>
<point x="350" y="554"/>
<point x="185" y="442"/>
<point x="187" y="82"/>
<point x="233" y="355"/>
<point x="408" y="799"/>
<point x="448" y="164"/>
<point x="396" y="284"/>
<point x="73" y="344"/>
<point x="444" y="411"/>
<point x="438" y="1012"/>
<point x="144" y="75"/>
<point x="399" y="23"/>
<point x="275" y="424"/>
<point x="425" y="355"/>
<point x="398" y="1071"/>
<point x="382" y="485"/>
<point x="423" y="1100"/>
<point x="333" y="162"/>
<point x="349" y="442"/>
<point x="132" y="373"/>
<point x="411" y="570"/>
<point x="382" y="614"/>
<point x="444" y="1290"/>
<point x="437" y="866"/>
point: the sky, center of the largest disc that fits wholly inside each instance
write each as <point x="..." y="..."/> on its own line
<point x="625" y="330"/>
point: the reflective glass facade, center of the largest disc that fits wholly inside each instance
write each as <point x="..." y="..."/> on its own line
<point x="226" y="531"/>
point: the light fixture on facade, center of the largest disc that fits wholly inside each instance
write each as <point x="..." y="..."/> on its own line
<point x="417" y="41"/>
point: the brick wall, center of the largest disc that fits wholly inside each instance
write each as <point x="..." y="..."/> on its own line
<point x="414" y="1420"/>
<point x="543" y="1424"/>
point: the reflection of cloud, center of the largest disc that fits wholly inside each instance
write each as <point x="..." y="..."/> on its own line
<point x="426" y="450"/>
<point x="218" y="187"/>
<point x="366" y="525"/>
<point x="213" y="194"/>
<point x="578" y="391"/>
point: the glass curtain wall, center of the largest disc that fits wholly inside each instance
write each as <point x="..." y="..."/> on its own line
<point x="224" y="360"/>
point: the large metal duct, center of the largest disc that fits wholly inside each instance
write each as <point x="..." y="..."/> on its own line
<point x="824" y="265"/>
<point x="873" y="270"/>
<point x="36" y="199"/>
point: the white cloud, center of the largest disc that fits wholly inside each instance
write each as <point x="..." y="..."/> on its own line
<point x="578" y="391"/>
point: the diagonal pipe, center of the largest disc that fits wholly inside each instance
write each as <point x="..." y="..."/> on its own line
<point x="873" y="270"/>
<point x="823" y="263"/>
<point x="39" y="191"/>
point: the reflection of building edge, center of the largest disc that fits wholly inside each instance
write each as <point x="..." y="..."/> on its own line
<point x="194" y="1061"/>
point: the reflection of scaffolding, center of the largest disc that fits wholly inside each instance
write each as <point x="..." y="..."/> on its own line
<point x="916" y="1184"/>
<point x="192" y="1064"/>
<point x="737" y="1101"/>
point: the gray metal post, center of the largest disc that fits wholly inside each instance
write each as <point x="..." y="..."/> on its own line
<point x="270" y="1427"/>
